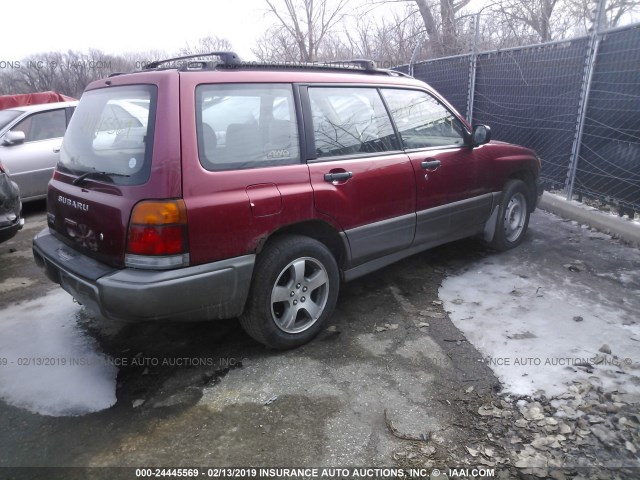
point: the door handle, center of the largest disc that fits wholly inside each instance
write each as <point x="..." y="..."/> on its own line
<point x="338" y="176"/>
<point x="430" y="164"/>
<point x="56" y="149"/>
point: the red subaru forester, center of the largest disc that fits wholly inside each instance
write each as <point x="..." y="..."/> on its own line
<point x="216" y="189"/>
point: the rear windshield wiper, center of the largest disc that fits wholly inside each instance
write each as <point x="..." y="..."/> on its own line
<point x="96" y="173"/>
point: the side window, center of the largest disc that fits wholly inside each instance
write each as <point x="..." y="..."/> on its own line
<point x="348" y="121"/>
<point x="423" y="121"/>
<point x="246" y="126"/>
<point x="43" y="125"/>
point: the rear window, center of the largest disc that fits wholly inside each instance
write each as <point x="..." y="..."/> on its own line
<point x="246" y="126"/>
<point x="111" y="133"/>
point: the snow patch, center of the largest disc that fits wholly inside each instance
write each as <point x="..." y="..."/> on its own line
<point x="589" y="208"/>
<point x="47" y="364"/>
<point x="533" y="329"/>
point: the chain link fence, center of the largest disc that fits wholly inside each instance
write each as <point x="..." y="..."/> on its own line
<point x="575" y="102"/>
<point x="609" y="161"/>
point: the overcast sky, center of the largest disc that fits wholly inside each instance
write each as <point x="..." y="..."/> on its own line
<point x="118" y="26"/>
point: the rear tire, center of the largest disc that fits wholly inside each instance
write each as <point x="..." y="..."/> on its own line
<point x="513" y="216"/>
<point x="293" y="293"/>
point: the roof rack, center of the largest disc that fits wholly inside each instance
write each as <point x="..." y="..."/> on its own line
<point x="352" y="66"/>
<point x="230" y="60"/>
<point x="226" y="58"/>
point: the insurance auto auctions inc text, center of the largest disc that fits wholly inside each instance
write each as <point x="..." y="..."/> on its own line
<point x="350" y="473"/>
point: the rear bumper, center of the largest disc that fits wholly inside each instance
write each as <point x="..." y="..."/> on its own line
<point x="11" y="208"/>
<point x="203" y="292"/>
<point x="9" y="227"/>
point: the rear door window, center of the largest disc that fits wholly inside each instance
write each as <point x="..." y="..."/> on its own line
<point x="350" y="121"/>
<point x="246" y="126"/>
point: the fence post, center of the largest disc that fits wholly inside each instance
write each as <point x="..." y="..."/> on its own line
<point x="592" y="53"/>
<point x="472" y="70"/>
<point x="412" y="61"/>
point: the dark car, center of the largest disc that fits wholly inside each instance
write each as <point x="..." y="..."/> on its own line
<point x="253" y="191"/>
<point x="10" y="206"/>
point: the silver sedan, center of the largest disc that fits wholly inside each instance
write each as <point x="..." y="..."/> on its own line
<point x="30" y="139"/>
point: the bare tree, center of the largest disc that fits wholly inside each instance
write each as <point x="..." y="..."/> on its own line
<point x="442" y="21"/>
<point x="440" y="18"/>
<point x="535" y="14"/>
<point x="207" y="45"/>
<point x="276" y="45"/>
<point x="615" y="11"/>
<point x="137" y="60"/>
<point x="65" y="72"/>
<point x="390" y="41"/>
<point x="307" y="22"/>
<point x="533" y="21"/>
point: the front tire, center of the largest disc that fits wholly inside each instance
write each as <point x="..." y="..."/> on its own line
<point x="293" y="292"/>
<point x="513" y="216"/>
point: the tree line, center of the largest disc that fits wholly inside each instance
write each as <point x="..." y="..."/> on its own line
<point x="317" y="30"/>
<point x="330" y="30"/>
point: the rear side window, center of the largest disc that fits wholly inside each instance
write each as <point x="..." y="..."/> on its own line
<point x="350" y="121"/>
<point x="111" y="133"/>
<point x="422" y="120"/>
<point x="246" y="126"/>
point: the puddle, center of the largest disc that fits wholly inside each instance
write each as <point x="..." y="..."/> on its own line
<point x="48" y="365"/>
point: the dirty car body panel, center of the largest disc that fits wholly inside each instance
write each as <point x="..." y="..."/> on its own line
<point x="10" y="206"/>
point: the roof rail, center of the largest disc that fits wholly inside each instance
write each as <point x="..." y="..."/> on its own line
<point x="363" y="63"/>
<point x="226" y="58"/>
<point x="395" y="73"/>
<point x="353" y="66"/>
<point x="230" y="60"/>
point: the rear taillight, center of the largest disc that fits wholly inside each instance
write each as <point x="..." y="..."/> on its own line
<point x="157" y="237"/>
<point x="2" y="169"/>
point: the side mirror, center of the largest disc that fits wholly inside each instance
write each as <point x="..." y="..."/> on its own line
<point x="13" y="138"/>
<point x="481" y="135"/>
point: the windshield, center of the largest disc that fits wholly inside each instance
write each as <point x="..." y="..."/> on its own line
<point x="111" y="132"/>
<point x="6" y="116"/>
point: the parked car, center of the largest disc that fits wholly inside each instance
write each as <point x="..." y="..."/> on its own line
<point x="10" y="206"/>
<point x="30" y="139"/>
<point x="253" y="191"/>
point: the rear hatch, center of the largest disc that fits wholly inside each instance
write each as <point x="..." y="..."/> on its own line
<point x="115" y="154"/>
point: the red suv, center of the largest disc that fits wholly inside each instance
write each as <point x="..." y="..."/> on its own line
<point x="206" y="190"/>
